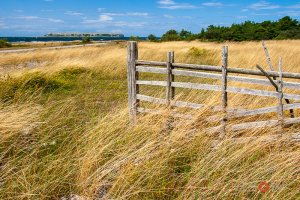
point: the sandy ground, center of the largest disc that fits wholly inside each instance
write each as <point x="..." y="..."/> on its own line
<point x="56" y="47"/>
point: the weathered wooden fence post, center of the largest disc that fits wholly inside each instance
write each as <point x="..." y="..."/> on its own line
<point x="224" y="89"/>
<point x="172" y="76"/>
<point x="132" y="74"/>
<point x="280" y="96"/>
<point x="170" y="92"/>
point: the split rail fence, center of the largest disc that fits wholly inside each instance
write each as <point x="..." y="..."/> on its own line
<point x="223" y="73"/>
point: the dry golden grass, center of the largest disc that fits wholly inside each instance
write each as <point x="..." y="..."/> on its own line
<point x="65" y="131"/>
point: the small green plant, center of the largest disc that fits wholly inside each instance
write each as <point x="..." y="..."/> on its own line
<point x="197" y="52"/>
<point x="86" y="40"/>
<point x="4" y="43"/>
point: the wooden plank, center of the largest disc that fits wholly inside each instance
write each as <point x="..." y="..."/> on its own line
<point x="151" y="99"/>
<point x="153" y="83"/>
<point x="196" y="74"/>
<point x="236" y="113"/>
<point x="151" y="63"/>
<point x="235" y="70"/>
<point x="197" y="86"/>
<point x="174" y="114"/>
<point x="252" y="92"/>
<point x="229" y="89"/>
<point x="291" y="96"/>
<point x="290" y="85"/>
<point x="173" y="103"/>
<point x="133" y="88"/>
<point x="263" y="110"/>
<point x="154" y="70"/>
<point x="261" y="124"/>
<point x="209" y="87"/>
<point x="290" y="121"/>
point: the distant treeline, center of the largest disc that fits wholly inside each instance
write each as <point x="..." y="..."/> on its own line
<point x="284" y="28"/>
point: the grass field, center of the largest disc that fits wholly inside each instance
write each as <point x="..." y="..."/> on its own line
<point x="65" y="131"/>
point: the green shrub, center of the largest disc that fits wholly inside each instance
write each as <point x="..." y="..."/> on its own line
<point x="4" y="43"/>
<point x="86" y="40"/>
<point x="152" y="38"/>
<point x="197" y="52"/>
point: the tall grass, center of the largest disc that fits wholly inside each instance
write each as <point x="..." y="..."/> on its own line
<point x="65" y="131"/>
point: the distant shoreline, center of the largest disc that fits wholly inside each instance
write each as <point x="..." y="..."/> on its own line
<point x="63" y="39"/>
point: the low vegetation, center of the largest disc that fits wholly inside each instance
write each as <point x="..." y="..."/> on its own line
<point x="65" y="130"/>
<point x="4" y="43"/>
<point x="284" y="28"/>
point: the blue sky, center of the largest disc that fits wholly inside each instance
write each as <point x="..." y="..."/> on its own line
<point x="133" y="17"/>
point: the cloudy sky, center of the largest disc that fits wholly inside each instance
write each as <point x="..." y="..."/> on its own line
<point x="134" y="17"/>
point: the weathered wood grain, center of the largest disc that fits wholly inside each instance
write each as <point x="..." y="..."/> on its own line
<point x="176" y="72"/>
<point x="133" y="88"/>
<point x="169" y="78"/>
<point x="151" y="63"/>
<point x="153" y="83"/>
<point x="280" y="95"/>
<point x="173" y="103"/>
<point x="224" y="89"/>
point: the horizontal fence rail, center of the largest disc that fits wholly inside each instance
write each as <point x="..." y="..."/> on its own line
<point x="223" y="74"/>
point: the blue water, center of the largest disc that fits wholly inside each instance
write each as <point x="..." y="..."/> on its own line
<point x="60" y="39"/>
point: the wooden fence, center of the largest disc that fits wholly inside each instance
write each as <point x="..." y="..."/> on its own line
<point x="223" y="73"/>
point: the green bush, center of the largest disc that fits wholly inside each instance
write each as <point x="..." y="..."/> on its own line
<point x="4" y="43"/>
<point x="152" y="38"/>
<point x="86" y="40"/>
<point x="197" y="52"/>
<point x="171" y="35"/>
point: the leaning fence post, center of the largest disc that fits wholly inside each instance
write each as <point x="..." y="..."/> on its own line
<point x="280" y="96"/>
<point x="170" y="93"/>
<point x="224" y="89"/>
<point x="132" y="74"/>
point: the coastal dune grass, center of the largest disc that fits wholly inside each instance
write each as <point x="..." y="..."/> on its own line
<point x="65" y="130"/>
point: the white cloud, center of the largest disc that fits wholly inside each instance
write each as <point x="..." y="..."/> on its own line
<point x="28" y="17"/>
<point x="166" y="2"/>
<point x="73" y="13"/>
<point x="213" y="4"/>
<point x="55" y="20"/>
<point x="263" y="5"/>
<point x="102" y="18"/>
<point x="172" y="5"/>
<point x="105" y="18"/>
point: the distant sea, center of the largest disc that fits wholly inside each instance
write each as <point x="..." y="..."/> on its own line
<point x="61" y="39"/>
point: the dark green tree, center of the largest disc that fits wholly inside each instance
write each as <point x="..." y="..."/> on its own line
<point x="171" y="35"/>
<point x="152" y="38"/>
